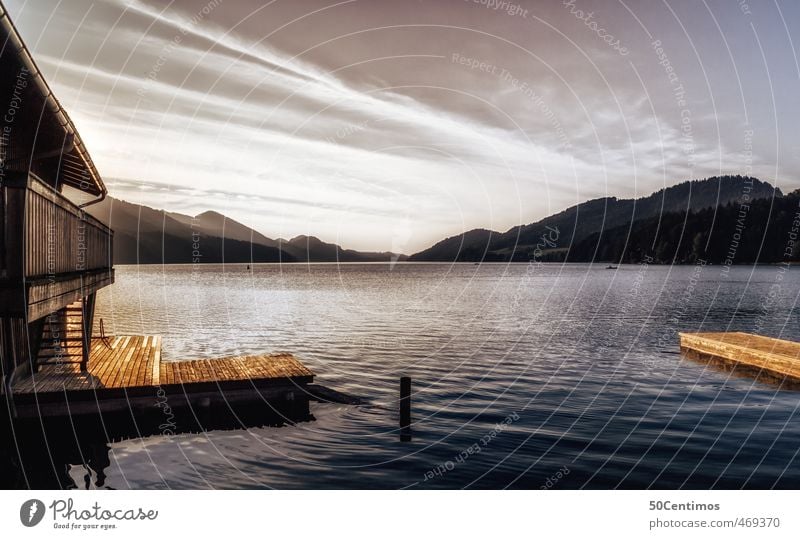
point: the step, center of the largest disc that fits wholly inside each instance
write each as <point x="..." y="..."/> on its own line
<point x="60" y="357"/>
<point x="40" y="363"/>
<point x="63" y="329"/>
<point x="53" y="359"/>
<point x="62" y="350"/>
<point x="75" y="326"/>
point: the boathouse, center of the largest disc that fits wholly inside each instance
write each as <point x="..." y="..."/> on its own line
<point x="54" y="257"/>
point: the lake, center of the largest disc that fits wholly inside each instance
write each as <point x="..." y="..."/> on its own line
<point x="525" y="376"/>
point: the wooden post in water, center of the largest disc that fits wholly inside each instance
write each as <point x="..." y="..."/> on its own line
<point x="405" y="409"/>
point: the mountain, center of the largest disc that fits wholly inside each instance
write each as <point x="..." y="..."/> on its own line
<point x="578" y="222"/>
<point x="469" y="246"/>
<point x="763" y="231"/>
<point x="143" y="235"/>
<point x="212" y="223"/>
<point x="680" y="224"/>
<point x="311" y="249"/>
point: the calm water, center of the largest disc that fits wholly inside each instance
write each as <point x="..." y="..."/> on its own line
<point x="579" y="365"/>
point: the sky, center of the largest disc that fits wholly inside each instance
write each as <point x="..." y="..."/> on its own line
<point x="389" y="125"/>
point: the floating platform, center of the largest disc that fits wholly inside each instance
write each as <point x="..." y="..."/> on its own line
<point x="127" y="373"/>
<point x="766" y="358"/>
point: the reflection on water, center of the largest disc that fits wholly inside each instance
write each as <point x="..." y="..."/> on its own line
<point x="90" y="475"/>
<point x="81" y="452"/>
<point x="585" y="358"/>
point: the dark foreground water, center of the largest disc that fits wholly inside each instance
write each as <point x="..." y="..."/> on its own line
<point x="557" y="376"/>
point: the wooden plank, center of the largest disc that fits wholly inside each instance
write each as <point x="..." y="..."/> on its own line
<point x="181" y="371"/>
<point x="157" y="360"/>
<point x="186" y="372"/>
<point x="776" y="356"/>
<point x="134" y="363"/>
<point x="100" y="364"/>
<point x="122" y="363"/>
<point x="176" y="372"/>
<point x="148" y="366"/>
<point x="111" y="363"/>
<point x="207" y="370"/>
<point x="218" y="370"/>
<point x="141" y="364"/>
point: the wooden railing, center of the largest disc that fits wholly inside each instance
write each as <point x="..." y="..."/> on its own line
<point x="47" y="235"/>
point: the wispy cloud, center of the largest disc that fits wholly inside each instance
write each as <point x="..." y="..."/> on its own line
<point x="304" y="120"/>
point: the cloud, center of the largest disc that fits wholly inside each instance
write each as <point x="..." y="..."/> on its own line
<point x="323" y="120"/>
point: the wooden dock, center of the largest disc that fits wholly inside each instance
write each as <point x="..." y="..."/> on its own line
<point x="766" y="358"/>
<point x="127" y="372"/>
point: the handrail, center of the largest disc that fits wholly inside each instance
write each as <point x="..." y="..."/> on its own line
<point x="58" y="237"/>
<point x="41" y="187"/>
<point x="103" y="336"/>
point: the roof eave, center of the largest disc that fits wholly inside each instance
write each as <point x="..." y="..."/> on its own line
<point x="93" y="182"/>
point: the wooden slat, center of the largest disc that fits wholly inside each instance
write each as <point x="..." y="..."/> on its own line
<point x="157" y="361"/>
<point x="49" y="252"/>
<point x="139" y="371"/>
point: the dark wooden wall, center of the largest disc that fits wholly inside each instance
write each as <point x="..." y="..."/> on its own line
<point x="18" y="342"/>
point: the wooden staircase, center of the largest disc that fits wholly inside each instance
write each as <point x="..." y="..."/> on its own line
<point x="67" y="336"/>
